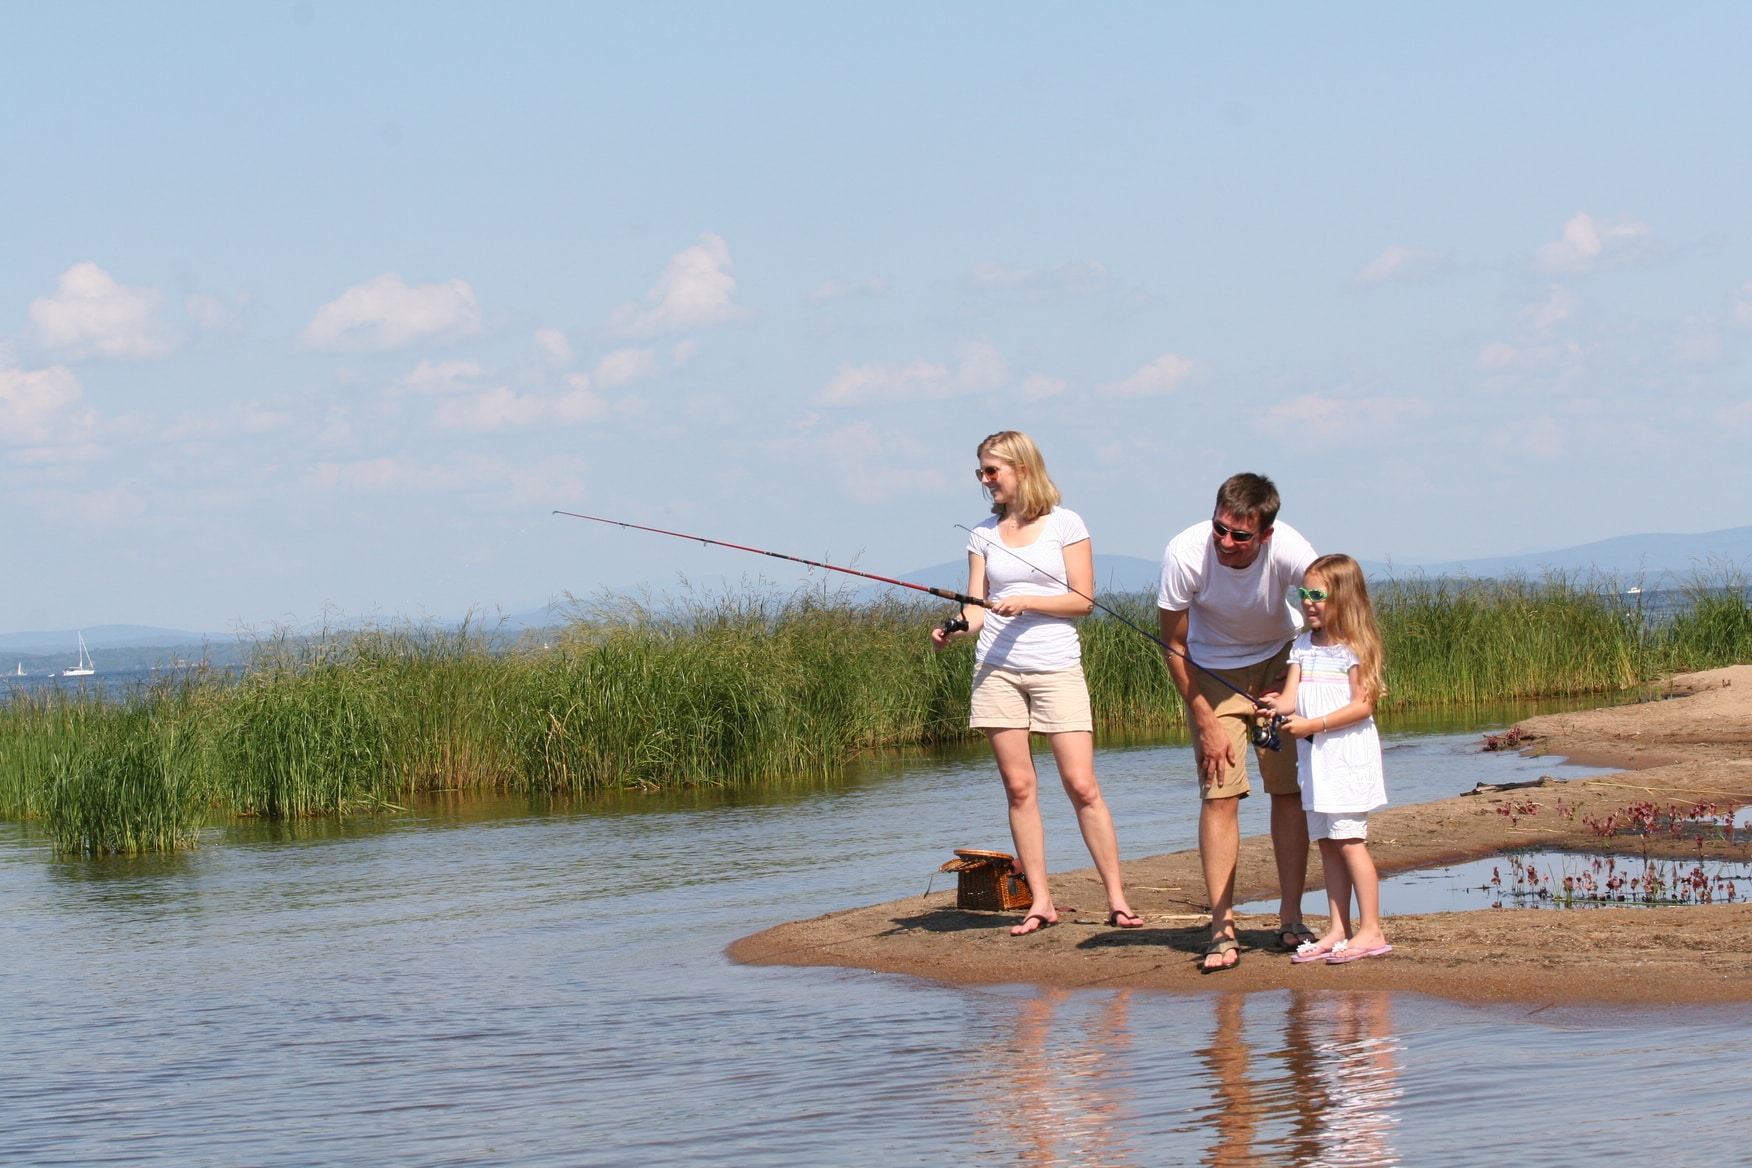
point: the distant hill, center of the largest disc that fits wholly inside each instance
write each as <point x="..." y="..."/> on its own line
<point x="1653" y="560"/>
<point x="100" y="637"/>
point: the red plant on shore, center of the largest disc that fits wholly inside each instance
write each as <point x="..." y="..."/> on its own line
<point x="1509" y="739"/>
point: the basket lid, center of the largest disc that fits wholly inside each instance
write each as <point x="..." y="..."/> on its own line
<point x="977" y="854"/>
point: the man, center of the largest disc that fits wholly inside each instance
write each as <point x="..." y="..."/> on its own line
<point x="1224" y="603"/>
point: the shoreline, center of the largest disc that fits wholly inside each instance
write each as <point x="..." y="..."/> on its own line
<point x="1694" y="747"/>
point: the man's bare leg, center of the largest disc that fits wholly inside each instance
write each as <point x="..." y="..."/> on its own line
<point x="1289" y="847"/>
<point x="1219" y="845"/>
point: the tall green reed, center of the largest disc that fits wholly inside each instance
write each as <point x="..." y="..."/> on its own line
<point x="717" y="689"/>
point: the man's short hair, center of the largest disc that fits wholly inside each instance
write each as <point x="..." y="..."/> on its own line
<point x="1249" y="496"/>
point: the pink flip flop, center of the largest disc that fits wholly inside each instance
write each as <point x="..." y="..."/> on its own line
<point x="1348" y="955"/>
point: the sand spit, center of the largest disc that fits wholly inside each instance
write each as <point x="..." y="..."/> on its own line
<point x="1695" y="747"/>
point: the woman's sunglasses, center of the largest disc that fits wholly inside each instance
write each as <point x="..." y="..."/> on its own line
<point x="982" y="473"/>
<point x="1312" y="595"/>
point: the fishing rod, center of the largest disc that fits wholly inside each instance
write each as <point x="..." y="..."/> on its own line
<point x="954" y="624"/>
<point x="1263" y="733"/>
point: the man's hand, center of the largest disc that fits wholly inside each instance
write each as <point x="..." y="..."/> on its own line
<point x="1216" y="752"/>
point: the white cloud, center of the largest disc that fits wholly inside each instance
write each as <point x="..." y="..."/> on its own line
<point x="495" y="409"/>
<point x="696" y="289"/>
<point x="980" y="367"/>
<point x="1699" y="340"/>
<point x="579" y="405"/>
<point x="625" y="366"/>
<point x="57" y="455"/>
<point x="1735" y="416"/>
<point x="42" y="405"/>
<point x="1040" y="387"/>
<point x="1498" y="355"/>
<point x="505" y="409"/>
<point x="684" y="352"/>
<point x="546" y="481"/>
<point x="554" y="346"/>
<point x="91" y="313"/>
<point x="1557" y="307"/>
<point x="251" y="418"/>
<point x="210" y="312"/>
<point x="1396" y="261"/>
<point x="384" y="313"/>
<point x="1587" y="243"/>
<point x="441" y="377"/>
<point x="1328" y="417"/>
<point x="1164" y="375"/>
<point x="871" y="462"/>
<point x="835" y="290"/>
<point x="1742" y="310"/>
<point x="1561" y="358"/>
<point x="1072" y="277"/>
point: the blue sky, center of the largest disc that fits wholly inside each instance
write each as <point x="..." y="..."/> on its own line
<point x="309" y="306"/>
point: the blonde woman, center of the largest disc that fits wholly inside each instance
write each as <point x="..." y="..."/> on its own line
<point x="1028" y="672"/>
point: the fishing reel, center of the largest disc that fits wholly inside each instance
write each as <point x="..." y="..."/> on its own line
<point x="955" y="624"/>
<point x="1265" y="734"/>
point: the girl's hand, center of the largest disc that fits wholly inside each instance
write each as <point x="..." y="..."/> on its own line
<point x="1010" y="606"/>
<point x="1301" y="727"/>
<point x="940" y="638"/>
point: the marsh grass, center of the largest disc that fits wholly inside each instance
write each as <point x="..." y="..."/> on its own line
<point x="731" y="688"/>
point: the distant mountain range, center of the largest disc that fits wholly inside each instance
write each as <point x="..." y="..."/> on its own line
<point x="1653" y="561"/>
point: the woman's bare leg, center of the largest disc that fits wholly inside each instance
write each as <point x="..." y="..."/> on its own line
<point x="1074" y="751"/>
<point x="1021" y="785"/>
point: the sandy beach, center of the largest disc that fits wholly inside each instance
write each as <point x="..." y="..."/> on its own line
<point x="1694" y="747"/>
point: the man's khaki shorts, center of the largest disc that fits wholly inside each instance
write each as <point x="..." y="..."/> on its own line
<point x="1047" y="703"/>
<point x="1236" y="714"/>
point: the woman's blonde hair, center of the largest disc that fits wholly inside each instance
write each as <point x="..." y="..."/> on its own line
<point x="1350" y="618"/>
<point x="1035" y="493"/>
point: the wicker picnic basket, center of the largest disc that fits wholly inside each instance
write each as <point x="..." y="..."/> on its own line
<point x="988" y="881"/>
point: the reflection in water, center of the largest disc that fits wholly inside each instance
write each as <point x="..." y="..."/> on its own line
<point x="1054" y="1084"/>
<point x="1311" y="1078"/>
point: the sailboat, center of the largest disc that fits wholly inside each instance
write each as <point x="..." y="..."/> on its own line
<point x="84" y="668"/>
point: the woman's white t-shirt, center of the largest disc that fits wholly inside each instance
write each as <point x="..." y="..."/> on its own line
<point x="1031" y="642"/>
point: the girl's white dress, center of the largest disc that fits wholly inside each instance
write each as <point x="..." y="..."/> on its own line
<point x="1340" y="769"/>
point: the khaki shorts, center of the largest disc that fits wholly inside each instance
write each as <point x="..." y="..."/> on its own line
<point x="1235" y="713"/>
<point x="1047" y="703"/>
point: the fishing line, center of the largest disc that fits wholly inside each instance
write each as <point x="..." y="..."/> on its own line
<point x="1263" y="734"/>
<point x="957" y="621"/>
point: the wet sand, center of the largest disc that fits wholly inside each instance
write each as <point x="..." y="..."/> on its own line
<point x="1695" y="747"/>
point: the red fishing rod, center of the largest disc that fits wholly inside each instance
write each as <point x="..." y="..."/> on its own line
<point x="959" y="598"/>
<point x="1263" y="733"/>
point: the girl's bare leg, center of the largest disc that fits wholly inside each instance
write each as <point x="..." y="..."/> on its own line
<point x="1021" y="785"/>
<point x="1360" y="871"/>
<point x="1074" y="751"/>
<point x="1338" y="894"/>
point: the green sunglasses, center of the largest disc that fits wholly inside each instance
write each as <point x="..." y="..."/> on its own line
<point x="1316" y="595"/>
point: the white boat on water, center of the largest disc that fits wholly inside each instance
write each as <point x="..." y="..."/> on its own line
<point x="85" y="667"/>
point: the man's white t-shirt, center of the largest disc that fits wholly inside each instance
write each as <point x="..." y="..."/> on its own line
<point x="1031" y="642"/>
<point x="1239" y="616"/>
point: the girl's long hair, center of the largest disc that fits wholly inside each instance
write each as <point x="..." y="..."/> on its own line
<point x="1037" y="494"/>
<point x="1350" y="618"/>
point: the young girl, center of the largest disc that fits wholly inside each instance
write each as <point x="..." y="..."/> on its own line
<point x="1028" y="675"/>
<point x="1333" y="684"/>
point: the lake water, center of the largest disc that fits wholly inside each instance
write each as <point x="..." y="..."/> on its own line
<point x="499" y="982"/>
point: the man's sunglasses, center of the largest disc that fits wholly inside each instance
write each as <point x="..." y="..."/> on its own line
<point x="1237" y="536"/>
<point x="1312" y="595"/>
